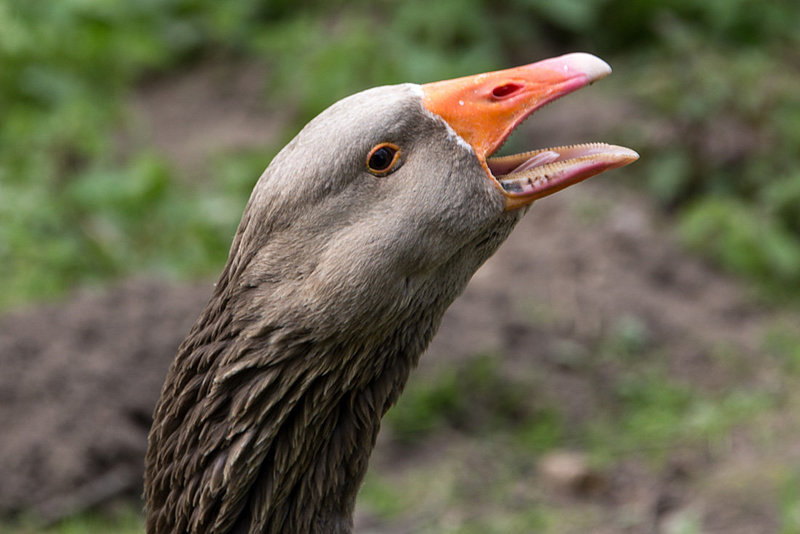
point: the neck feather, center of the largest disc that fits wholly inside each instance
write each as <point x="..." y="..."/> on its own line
<point x="270" y="432"/>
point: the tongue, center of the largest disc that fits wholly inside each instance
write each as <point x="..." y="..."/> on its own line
<point x="541" y="158"/>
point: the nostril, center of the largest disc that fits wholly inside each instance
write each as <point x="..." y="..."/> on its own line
<point x="505" y="90"/>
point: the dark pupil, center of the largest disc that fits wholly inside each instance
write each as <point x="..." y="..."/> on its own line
<point x="381" y="159"/>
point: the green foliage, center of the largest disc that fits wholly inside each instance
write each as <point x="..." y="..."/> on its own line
<point x="381" y="497"/>
<point x="474" y="398"/>
<point x="732" y="22"/>
<point x="722" y="150"/>
<point x="73" y="209"/>
<point x="333" y="55"/>
<point x="654" y="414"/>
<point x="783" y="342"/>
<point x="653" y="410"/>
<point x="120" y="518"/>
<point x="747" y="243"/>
<point x="790" y="502"/>
<point x="629" y="338"/>
<point x="109" y="221"/>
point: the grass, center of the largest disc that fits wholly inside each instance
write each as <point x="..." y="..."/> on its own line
<point x="467" y="488"/>
<point x="476" y="398"/>
<point x="120" y="519"/>
<point x="783" y="343"/>
<point x="790" y="502"/>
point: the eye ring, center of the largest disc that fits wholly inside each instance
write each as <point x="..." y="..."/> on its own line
<point x="383" y="159"/>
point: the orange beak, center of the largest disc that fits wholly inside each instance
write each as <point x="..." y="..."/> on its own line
<point x="484" y="109"/>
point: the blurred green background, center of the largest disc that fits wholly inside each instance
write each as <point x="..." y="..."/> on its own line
<point x="87" y="196"/>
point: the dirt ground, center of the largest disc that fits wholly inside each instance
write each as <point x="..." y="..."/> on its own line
<point x="78" y="386"/>
<point x="80" y="377"/>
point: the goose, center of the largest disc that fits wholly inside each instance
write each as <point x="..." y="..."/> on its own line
<point x="356" y="238"/>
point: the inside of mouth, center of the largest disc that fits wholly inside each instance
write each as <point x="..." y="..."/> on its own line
<point x="544" y="168"/>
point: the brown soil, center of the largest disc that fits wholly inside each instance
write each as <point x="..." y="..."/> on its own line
<point x="215" y="107"/>
<point x="78" y="386"/>
<point x="79" y="378"/>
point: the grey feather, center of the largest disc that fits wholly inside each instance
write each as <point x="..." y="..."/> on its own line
<point x="336" y="282"/>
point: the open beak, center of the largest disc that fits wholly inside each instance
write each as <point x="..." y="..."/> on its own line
<point x="484" y="109"/>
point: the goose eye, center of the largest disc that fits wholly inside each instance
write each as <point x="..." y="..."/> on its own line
<point x="382" y="159"/>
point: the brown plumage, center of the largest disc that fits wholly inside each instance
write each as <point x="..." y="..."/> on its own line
<point x="357" y="237"/>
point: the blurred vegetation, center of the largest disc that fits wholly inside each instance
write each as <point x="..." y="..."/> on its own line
<point x="475" y="398"/>
<point x="117" y="517"/>
<point x="714" y="81"/>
